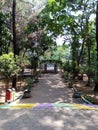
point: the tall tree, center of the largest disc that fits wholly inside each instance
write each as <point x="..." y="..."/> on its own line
<point x="15" y="47"/>
<point x="96" y="83"/>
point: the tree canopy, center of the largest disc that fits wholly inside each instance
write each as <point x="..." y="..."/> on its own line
<point x="30" y="28"/>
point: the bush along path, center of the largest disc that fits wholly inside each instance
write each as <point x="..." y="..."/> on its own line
<point x="51" y="89"/>
<point x="51" y="92"/>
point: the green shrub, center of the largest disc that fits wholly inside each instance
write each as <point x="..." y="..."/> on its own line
<point x="8" y="66"/>
<point x="93" y="100"/>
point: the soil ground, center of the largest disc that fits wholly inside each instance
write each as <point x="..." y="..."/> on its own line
<point x="81" y="86"/>
<point x="86" y="90"/>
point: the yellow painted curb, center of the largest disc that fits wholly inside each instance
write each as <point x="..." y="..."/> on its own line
<point x="23" y="106"/>
<point x="71" y="106"/>
<point x="83" y="107"/>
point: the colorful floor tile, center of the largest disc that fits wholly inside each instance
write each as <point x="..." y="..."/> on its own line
<point x="49" y="105"/>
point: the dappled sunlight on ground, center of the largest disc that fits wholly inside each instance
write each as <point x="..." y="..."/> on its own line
<point x="51" y="89"/>
<point x="48" y="119"/>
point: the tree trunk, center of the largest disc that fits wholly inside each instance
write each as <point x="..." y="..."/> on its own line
<point x="14" y="80"/>
<point x="14" y="38"/>
<point x="7" y="84"/>
<point x="96" y="83"/>
<point x="81" y="52"/>
<point x="89" y="65"/>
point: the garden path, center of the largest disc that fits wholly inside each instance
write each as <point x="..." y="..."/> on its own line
<point x="51" y="89"/>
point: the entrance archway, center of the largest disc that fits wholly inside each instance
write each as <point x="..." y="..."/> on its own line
<point x="50" y="66"/>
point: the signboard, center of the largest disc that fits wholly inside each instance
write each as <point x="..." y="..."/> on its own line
<point x="50" y="66"/>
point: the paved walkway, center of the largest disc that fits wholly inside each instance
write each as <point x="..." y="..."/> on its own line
<point x="51" y="89"/>
<point x="48" y="119"/>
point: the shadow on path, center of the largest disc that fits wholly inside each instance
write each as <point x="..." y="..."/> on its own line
<point x="52" y="119"/>
<point x="50" y="89"/>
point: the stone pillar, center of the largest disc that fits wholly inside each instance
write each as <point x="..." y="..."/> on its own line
<point x="55" y="68"/>
<point x="45" y="67"/>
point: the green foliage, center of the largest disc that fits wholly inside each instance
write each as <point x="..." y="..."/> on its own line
<point x="34" y="63"/>
<point x="31" y="27"/>
<point x="51" y="1"/>
<point x="5" y="34"/>
<point x="22" y="61"/>
<point x="90" y="71"/>
<point x="29" y="81"/>
<point x="57" y="53"/>
<point x="71" y="19"/>
<point x="8" y="66"/>
<point x="67" y="67"/>
<point x="91" y="99"/>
